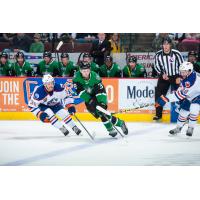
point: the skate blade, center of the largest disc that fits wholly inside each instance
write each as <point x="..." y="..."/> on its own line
<point x="173" y="135"/>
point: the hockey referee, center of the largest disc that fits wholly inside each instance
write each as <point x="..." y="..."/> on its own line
<point x="167" y="62"/>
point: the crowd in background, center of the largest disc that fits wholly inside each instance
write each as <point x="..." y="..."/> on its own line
<point x="99" y="55"/>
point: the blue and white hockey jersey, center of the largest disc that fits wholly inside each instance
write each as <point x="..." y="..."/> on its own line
<point x="41" y="96"/>
<point x="189" y="89"/>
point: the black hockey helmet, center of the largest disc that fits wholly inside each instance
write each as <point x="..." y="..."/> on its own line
<point x="86" y="55"/>
<point x="20" y="54"/>
<point x="109" y="58"/>
<point x="192" y="53"/>
<point x="4" y="55"/>
<point x="167" y="39"/>
<point x="84" y="65"/>
<point x="64" y="55"/>
<point x="47" y="54"/>
<point x="132" y="59"/>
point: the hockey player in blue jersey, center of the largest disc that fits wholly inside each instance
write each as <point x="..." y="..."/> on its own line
<point x="47" y="101"/>
<point x="189" y="93"/>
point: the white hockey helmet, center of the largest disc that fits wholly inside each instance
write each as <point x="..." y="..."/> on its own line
<point x="186" y="66"/>
<point x="47" y="79"/>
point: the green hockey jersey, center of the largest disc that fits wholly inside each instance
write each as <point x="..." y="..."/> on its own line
<point x="5" y="69"/>
<point x="68" y="70"/>
<point x="114" y="71"/>
<point x="138" y="71"/>
<point x="94" y="67"/>
<point x="88" y="89"/>
<point x="24" y="70"/>
<point x="51" y="68"/>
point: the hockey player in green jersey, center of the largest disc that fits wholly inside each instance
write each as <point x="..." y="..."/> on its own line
<point x="5" y="65"/>
<point x="133" y="69"/>
<point x="48" y="66"/>
<point x="21" y="67"/>
<point x="110" y="69"/>
<point x="67" y="67"/>
<point x="87" y="58"/>
<point x="89" y="87"/>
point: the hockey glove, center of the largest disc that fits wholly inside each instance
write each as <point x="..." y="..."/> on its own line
<point x="43" y="117"/>
<point x="71" y="109"/>
<point x="162" y="100"/>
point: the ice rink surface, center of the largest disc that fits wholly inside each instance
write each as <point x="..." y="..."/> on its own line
<point x="37" y="144"/>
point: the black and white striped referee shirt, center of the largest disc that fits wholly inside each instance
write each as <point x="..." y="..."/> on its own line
<point x="168" y="63"/>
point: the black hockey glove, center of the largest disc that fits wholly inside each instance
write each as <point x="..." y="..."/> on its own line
<point x="43" y="117"/>
<point x="72" y="110"/>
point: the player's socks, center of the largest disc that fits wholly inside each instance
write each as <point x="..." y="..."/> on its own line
<point x="116" y="121"/>
<point x="55" y="122"/>
<point x="108" y="125"/>
<point x="69" y="121"/>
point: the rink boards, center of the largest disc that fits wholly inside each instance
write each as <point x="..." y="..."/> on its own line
<point x="122" y="94"/>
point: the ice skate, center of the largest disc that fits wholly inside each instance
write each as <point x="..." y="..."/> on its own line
<point x="175" y="131"/>
<point x="190" y="131"/>
<point x="157" y="119"/>
<point x="76" y="130"/>
<point x="64" y="130"/>
<point x="113" y="132"/>
<point x="124" y="128"/>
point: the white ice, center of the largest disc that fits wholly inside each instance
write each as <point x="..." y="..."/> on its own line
<point x="35" y="143"/>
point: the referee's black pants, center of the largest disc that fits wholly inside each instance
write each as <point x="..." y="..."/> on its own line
<point x="162" y="88"/>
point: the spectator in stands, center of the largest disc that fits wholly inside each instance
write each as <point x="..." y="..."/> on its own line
<point x="127" y="41"/>
<point x="93" y="66"/>
<point x="133" y="69"/>
<point x="5" y="65"/>
<point x="85" y="37"/>
<point x="192" y="57"/>
<point x="37" y="46"/>
<point x="48" y="66"/>
<point x="65" y="37"/>
<point x="192" y="36"/>
<point x="110" y="69"/>
<point x="157" y="42"/>
<point x="100" y="49"/>
<point x="21" y="42"/>
<point x="21" y="67"/>
<point x="177" y="37"/>
<point x="115" y="43"/>
<point x="7" y="37"/>
<point x="67" y="67"/>
<point x="45" y="37"/>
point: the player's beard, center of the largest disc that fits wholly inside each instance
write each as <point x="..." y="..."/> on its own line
<point x="49" y="88"/>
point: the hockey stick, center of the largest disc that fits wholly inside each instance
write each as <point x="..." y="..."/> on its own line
<point x="127" y="56"/>
<point x="105" y="112"/>
<point x="57" y="49"/>
<point x="134" y="108"/>
<point x="83" y="127"/>
<point x="79" y="58"/>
